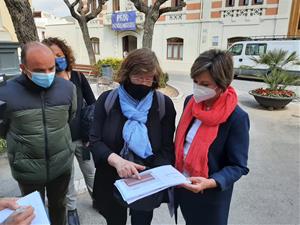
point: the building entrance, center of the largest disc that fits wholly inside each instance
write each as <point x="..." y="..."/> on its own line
<point x="129" y="44"/>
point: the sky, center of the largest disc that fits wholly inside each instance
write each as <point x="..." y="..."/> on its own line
<point x="55" y="7"/>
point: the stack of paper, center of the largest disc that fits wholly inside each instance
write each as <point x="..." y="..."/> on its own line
<point x="33" y="199"/>
<point x="152" y="181"/>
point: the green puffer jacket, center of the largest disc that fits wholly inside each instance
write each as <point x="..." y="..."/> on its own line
<point x="37" y="128"/>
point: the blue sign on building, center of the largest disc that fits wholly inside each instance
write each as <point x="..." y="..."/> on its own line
<point x="124" y="20"/>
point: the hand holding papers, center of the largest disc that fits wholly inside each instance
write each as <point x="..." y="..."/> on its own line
<point x="33" y="199"/>
<point x="152" y="181"/>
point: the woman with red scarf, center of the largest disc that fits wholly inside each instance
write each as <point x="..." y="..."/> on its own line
<point x="212" y="141"/>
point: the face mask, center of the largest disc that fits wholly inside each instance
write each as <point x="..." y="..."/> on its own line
<point x="61" y="64"/>
<point x="137" y="91"/>
<point x="202" y="93"/>
<point x="43" y="79"/>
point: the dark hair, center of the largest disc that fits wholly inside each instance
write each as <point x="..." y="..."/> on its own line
<point x="66" y="49"/>
<point x="218" y="63"/>
<point x="140" y="61"/>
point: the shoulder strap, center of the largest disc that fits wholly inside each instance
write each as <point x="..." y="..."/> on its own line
<point x="161" y="104"/>
<point x="110" y="100"/>
<point x="80" y="78"/>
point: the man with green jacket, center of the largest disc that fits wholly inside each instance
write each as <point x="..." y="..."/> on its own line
<point x="39" y="107"/>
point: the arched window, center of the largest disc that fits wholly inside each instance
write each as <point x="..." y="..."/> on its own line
<point x="96" y="45"/>
<point x="175" y="48"/>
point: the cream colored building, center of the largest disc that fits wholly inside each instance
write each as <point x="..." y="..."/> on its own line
<point x="7" y="31"/>
<point x="179" y="37"/>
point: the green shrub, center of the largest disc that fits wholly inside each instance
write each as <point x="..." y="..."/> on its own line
<point x="2" y="146"/>
<point x="163" y="81"/>
<point x="115" y="63"/>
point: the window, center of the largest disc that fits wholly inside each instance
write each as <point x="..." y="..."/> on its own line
<point x="175" y="48"/>
<point x="116" y="5"/>
<point x="257" y="2"/>
<point x="175" y="3"/>
<point x="243" y="2"/>
<point x="236" y="49"/>
<point x="229" y="3"/>
<point x="255" y="49"/>
<point x="215" y="40"/>
<point x="95" y="45"/>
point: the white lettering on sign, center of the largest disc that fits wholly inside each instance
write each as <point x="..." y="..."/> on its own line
<point x="122" y="18"/>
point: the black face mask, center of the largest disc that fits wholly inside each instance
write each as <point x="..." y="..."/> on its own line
<point x="137" y="91"/>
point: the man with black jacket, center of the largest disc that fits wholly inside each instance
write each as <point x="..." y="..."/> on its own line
<point x="39" y="107"/>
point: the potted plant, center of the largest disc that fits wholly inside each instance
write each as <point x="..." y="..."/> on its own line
<point x="275" y="96"/>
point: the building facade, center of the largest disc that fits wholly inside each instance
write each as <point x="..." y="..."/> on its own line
<point x="180" y="36"/>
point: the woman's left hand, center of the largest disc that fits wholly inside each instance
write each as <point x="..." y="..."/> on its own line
<point x="199" y="184"/>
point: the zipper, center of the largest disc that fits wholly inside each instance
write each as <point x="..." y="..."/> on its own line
<point x="45" y="135"/>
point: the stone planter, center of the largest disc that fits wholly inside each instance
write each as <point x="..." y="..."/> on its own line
<point x="271" y="102"/>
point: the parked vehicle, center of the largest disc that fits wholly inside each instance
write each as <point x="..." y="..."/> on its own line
<point x="243" y="51"/>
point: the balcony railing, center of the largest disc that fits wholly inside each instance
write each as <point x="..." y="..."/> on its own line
<point x="243" y="12"/>
<point x="174" y="17"/>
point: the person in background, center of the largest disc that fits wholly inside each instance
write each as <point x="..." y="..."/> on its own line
<point x="64" y="61"/>
<point x="131" y="136"/>
<point x="39" y="107"/>
<point x="22" y="217"/>
<point x="212" y="141"/>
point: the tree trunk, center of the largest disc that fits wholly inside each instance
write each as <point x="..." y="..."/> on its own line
<point x="87" y="40"/>
<point x="22" y="18"/>
<point x="148" y="31"/>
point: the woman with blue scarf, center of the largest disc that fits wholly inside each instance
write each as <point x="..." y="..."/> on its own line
<point x="131" y="136"/>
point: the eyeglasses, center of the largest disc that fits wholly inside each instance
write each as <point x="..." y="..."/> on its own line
<point x="142" y="79"/>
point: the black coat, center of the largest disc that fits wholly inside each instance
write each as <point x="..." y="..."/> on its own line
<point x="84" y="94"/>
<point x="106" y="138"/>
<point x="227" y="162"/>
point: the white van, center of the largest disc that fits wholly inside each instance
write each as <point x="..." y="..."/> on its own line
<point x="243" y="51"/>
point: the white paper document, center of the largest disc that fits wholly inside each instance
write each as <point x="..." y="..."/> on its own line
<point x="34" y="200"/>
<point x="152" y="181"/>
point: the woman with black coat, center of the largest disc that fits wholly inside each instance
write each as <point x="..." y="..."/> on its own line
<point x="133" y="126"/>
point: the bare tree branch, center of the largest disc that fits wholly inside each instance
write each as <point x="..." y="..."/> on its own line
<point x="172" y="9"/>
<point x="95" y="11"/>
<point x="71" y="8"/>
<point x="158" y="3"/>
<point x="140" y="6"/>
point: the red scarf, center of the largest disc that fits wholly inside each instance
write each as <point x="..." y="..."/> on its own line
<point x="196" y="161"/>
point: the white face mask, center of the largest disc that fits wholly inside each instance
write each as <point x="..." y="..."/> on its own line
<point x="202" y="93"/>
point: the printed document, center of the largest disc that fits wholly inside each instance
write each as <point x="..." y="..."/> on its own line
<point x="34" y="200"/>
<point x="152" y="181"/>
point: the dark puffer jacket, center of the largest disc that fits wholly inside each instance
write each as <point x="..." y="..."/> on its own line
<point x="38" y="134"/>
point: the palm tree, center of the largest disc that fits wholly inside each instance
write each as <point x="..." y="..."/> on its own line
<point x="276" y="76"/>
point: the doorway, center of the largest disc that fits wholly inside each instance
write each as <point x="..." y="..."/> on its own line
<point x="129" y="43"/>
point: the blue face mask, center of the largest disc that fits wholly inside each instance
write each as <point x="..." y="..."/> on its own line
<point x="61" y="64"/>
<point x="43" y="79"/>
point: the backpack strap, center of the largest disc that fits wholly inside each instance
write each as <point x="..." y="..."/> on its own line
<point x="110" y="100"/>
<point x="161" y="104"/>
<point x="112" y="96"/>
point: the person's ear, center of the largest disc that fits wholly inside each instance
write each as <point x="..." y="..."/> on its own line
<point x="22" y="67"/>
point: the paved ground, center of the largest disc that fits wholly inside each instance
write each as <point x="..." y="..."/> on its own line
<point x="270" y="194"/>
